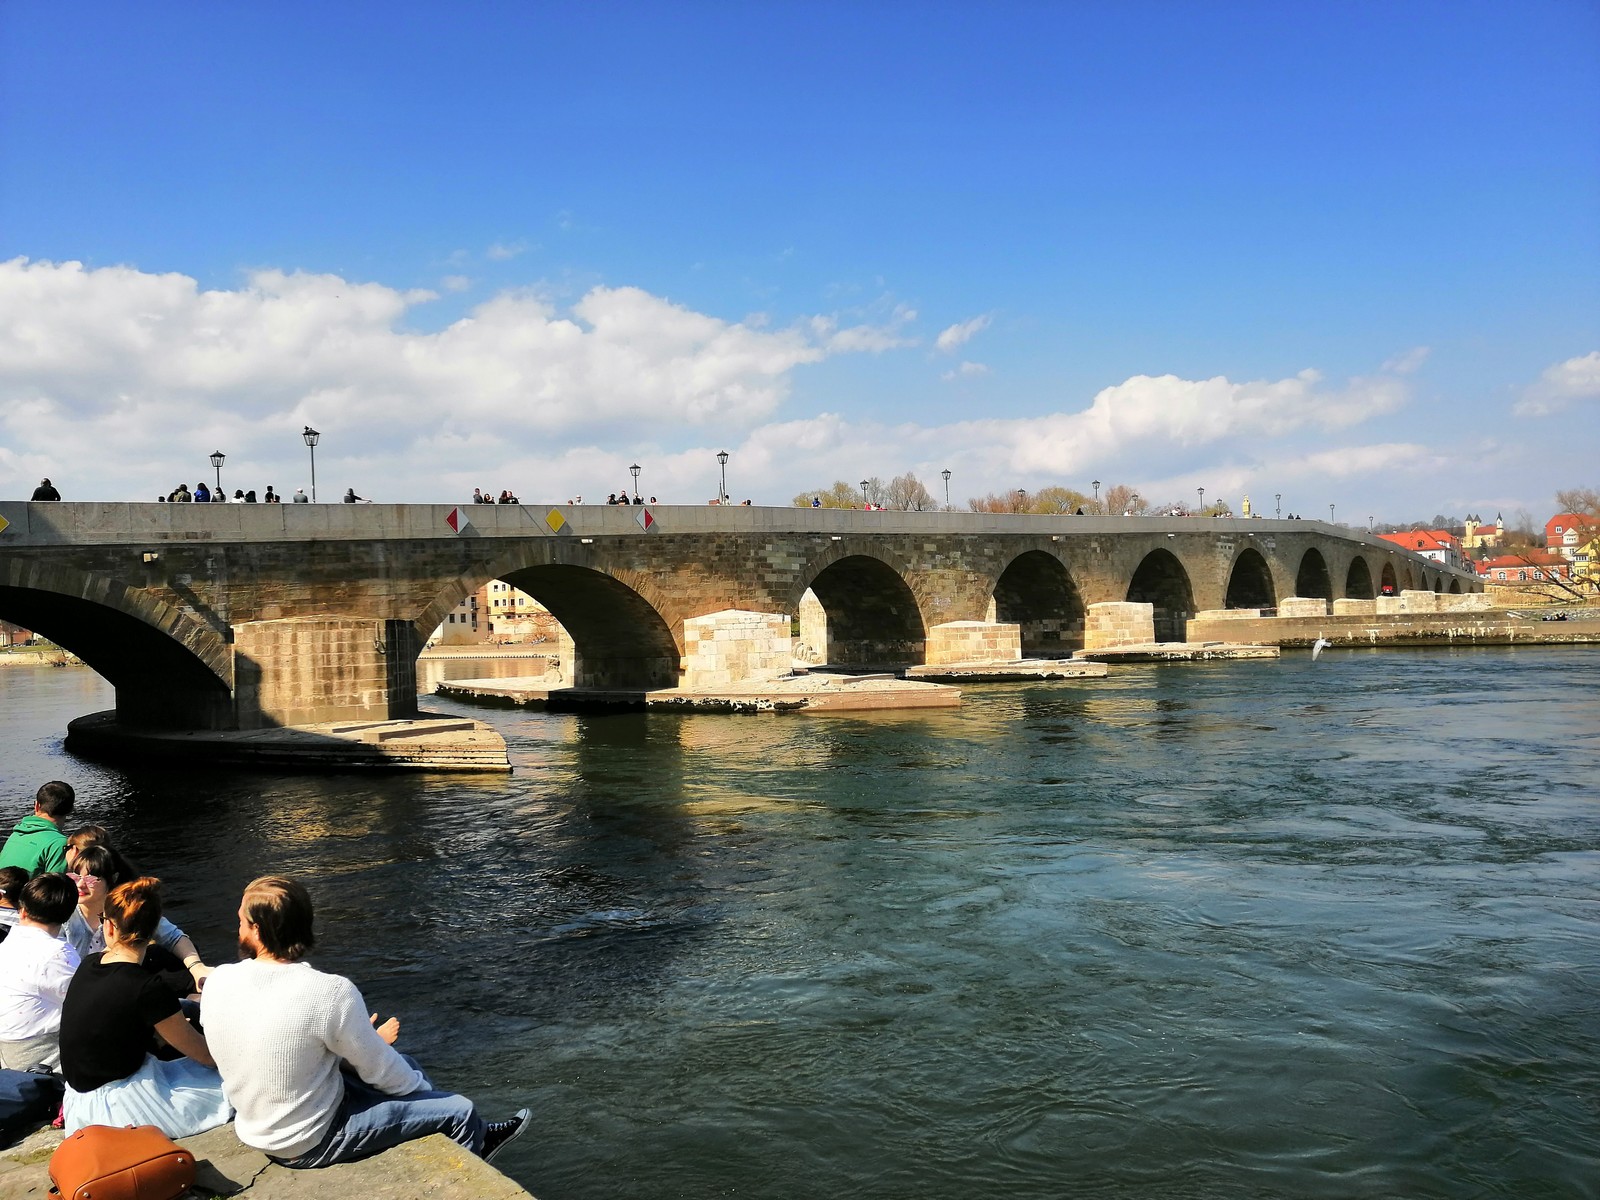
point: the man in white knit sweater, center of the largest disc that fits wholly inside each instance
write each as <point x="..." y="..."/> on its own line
<point x="312" y="1081"/>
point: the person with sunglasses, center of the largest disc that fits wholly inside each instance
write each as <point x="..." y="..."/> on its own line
<point x="97" y="869"/>
<point x="112" y="1009"/>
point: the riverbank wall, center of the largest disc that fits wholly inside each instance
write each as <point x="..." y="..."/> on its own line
<point x="1483" y="628"/>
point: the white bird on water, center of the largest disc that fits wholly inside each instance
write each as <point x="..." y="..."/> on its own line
<point x="1318" y="646"/>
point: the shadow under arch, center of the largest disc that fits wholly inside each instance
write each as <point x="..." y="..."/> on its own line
<point x="1455" y="587"/>
<point x="1358" y="580"/>
<point x="873" y="618"/>
<point x="1162" y="582"/>
<point x="1387" y="581"/>
<point x="169" y="671"/>
<point x="620" y="640"/>
<point x="1036" y="592"/>
<point x="1250" y="582"/>
<point x="1312" y="579"/>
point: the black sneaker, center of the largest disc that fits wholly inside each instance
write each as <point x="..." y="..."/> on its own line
<point x="499" y="1133"/>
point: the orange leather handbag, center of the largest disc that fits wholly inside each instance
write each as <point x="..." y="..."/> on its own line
<point x="139" y="1162"/>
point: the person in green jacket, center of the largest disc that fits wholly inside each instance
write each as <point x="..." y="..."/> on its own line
<point x="37" y="844"/>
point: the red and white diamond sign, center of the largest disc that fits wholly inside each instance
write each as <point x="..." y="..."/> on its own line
<point x="457" y="520"/>
<point x="645" y="520"/>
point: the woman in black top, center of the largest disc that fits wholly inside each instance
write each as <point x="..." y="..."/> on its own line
<point x="113" y="1007"/>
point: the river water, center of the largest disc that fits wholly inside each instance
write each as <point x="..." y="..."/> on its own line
<point x="1253" y="929"/>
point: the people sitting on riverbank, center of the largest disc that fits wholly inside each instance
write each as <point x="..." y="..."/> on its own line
<point x="112" y="1007"/>
<point x="37" y="844"/>
<point x="313" y="1082"/>
<point x="98" y="870"/>
<point x="36" y="968"/>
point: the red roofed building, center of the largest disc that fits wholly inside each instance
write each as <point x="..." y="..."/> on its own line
<point x="1568" y="533"/>
<point x="1531" y="566"/>
<point x="1440" y="545"/>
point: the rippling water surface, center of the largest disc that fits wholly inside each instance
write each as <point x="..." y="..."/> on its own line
<point x="1254" y="929"/>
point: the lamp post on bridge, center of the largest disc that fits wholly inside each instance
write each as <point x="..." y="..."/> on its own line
<point x="217" y="457"/>
<point x="634" y="471"/>
<point x="946" y="474"/>
<point x="311" y="436"/>
<point x="1096" y="485"/>
<point x="866" y="500"/>
<point x="1330" y="514"/>
<point x="722" y="461"/>
<point x="1202" y="511"/>
<point x="1277" y="504"/>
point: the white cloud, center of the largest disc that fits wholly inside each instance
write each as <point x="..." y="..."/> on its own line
<point x="965" y="371"/>
<point x="1561" y="386"/>
<point x="503" y="251"/>
<point x="960" y="335"/>
<point x="1409" y="361"/>
<point x="455" y="283"/>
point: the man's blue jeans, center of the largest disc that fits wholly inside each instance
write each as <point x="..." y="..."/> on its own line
<point x="369" y="1122"/>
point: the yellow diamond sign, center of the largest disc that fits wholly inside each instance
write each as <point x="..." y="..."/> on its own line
<point x="556" y="521"/>
<point x="3" y="524"/>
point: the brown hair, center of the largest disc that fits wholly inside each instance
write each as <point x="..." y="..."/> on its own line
<point x="48" y="898"/>
<point x="281" y="911"/>
<point x="88" y="835"/>
<point x="135" y="909"/>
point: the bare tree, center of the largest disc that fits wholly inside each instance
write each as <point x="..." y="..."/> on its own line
<point x="840" y="495"/>
<point x="1120" y="498"/>
<point x="907" y="493"/>
<point x="1579" y="500"/>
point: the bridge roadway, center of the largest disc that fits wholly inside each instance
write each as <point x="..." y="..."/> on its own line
<point x="247" y="616"/>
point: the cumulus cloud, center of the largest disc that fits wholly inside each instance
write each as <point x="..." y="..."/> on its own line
<point x="157" y="367"/>
<point x="504" y="251"/>
<point x="1561" y="386"/>
<point x="959" y="335"/>
<point x="144" y="374"/>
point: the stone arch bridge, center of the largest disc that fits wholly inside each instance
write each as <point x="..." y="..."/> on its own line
<point x="246" y="616"/>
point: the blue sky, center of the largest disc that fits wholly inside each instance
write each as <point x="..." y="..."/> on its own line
<point x="1347" y="252"/>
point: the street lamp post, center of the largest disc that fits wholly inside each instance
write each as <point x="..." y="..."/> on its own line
<point x="946" y="474"/>
<point x="1330" y="514"/>
<point x="866" y="500"/>
<point x="1277" y="504"/>
<point x="1022" y="499"/>
<point x="217" y="458"/>
<point x="1096" y="486"/>
<point x="311" y="436"/>
<point x="634" y="471"/>
<point x="1202" y="511"/>
<point x="722" y="461"/>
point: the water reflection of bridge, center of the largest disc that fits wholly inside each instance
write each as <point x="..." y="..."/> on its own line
<point x="237" y="616"/>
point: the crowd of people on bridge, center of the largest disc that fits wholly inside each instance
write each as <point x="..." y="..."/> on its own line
<point x="103" y="994"/>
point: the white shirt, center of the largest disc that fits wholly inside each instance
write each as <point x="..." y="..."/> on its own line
<point x="35" y="970"/>
<point x="278" y="1032"/>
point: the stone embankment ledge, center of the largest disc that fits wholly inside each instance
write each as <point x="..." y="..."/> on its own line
<point x="432" y="1167"/>
<point x="1489" y="628"/>
<point x="427" y="743"/>
<point x="801" y="693"/>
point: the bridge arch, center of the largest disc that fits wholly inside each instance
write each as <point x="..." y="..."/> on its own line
<point x="872" y="615"/>
<point x="620" y="637"/>
<point x="170" y="670"/>
<point x="1388" y="582"/>
<point x="1037" y="593"/>
<point x="1162" y="582"/>
<point x="1312" y="579"/>
<point x="1358" y="580"/>
<point x="1250" y="582"/>
<point x="1455" y="587"/>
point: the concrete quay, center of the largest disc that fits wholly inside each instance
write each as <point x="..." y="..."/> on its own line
<point x="812" y="692"/>
<point x="1393" y="629"/>
<point x="1171" y="652"/>
<point x="432" y="1167"/>
<point x="1020" y="671"/>
<point x="427" y="743"/>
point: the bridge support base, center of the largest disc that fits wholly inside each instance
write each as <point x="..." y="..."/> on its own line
<point x="734" y="646"/>
<point x="311" y="670"/>
<point x="974" y="642"/>
<point x="1119" y="623"/>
